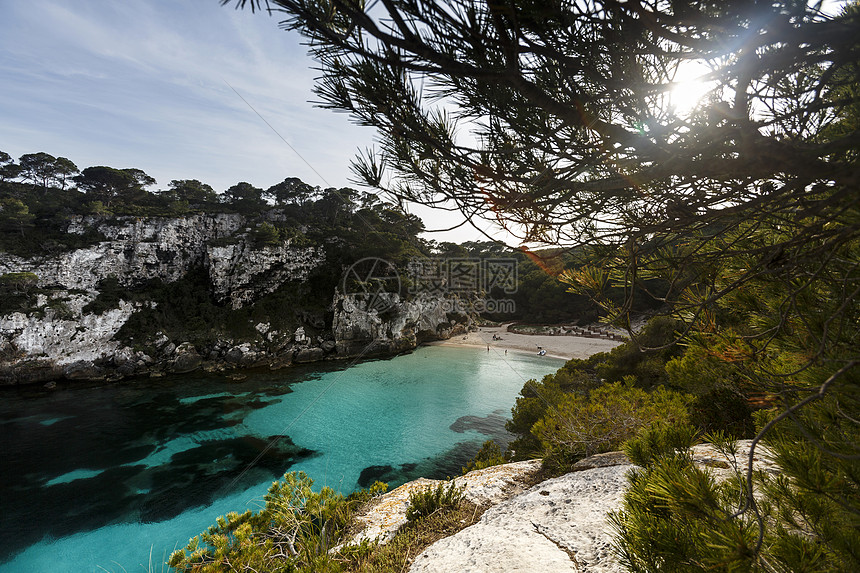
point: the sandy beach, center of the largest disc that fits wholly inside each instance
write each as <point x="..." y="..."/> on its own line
<point x="565" y="347"/>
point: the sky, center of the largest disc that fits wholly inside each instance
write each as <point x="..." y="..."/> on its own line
<point x="150" y="85"/>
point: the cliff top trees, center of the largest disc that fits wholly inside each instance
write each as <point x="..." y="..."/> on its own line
<point x="292" y="190"/>
<point x="244" y="197"/>
<point x="43" y="169"/>
<point x="193" y="191"/>
<point x="107" y="184"/>
<point x="8" y="168"/>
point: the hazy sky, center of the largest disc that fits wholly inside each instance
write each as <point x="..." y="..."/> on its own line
<point x="144" y="84"/>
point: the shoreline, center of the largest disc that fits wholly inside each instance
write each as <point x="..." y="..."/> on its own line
<point x="562" y="347"/>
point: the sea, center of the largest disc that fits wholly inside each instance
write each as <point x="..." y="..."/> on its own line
<point x="114" y="477"/>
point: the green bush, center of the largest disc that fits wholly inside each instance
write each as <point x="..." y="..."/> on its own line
<point x="489" y="455"/>
<point x="293" y="532"/>
<point x="428" y="501"/>
<point x="677" y="517"/>
<point x="266" y="235"/>
<point x="674" y="518"/>
<point x="537" y="397"/>
<point x="19" y="282"/>
<point x="646" y="356"/>
<point x="581" y="424"/>
<point x="719" y="386"/>
<point x="659" y="440"/>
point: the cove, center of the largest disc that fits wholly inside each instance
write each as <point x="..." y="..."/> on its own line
<point x="115" y="477"/>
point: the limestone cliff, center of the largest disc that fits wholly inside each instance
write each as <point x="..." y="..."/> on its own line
<point x="71" y="327"/>
<point x="135" y="250"/>
<point x="362" y="325"/>
<point x="559" y="525"/>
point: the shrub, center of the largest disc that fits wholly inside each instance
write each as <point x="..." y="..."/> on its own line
<point x="266" y="235"/>
<point x="537" y="397"/>
<point x="19" y="282"/>
<point x="645" y="357"/>
<point x="293" y="532"/>
<point x="585" y="424"/>
<point x="674" y="518"/>
<point x="659" y="440"/>
<point x="428" y="501"/>
<point x="489" y="455"/>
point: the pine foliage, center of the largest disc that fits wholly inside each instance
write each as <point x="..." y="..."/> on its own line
<point x="293" y="532"/>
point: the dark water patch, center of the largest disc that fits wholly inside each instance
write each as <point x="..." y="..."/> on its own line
<point x="198" y="476"/>
<point x="105" y="437"/>
<point x="66" y="508"/>
<point x="192" y="478"/>
<point x="372" y="474"/>
<point x="449" y="463"/>
<point x="492" y="424"/>
<point x="446" y="465"/>
<point x="99" y="432"/>
<point x="386" y="474"/>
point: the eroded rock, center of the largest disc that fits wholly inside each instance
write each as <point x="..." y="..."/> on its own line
<point x="387" y="513"/>
<point x="560" y="525"/>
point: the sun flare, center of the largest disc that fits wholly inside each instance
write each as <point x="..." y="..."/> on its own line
<point x="689" y="88"/>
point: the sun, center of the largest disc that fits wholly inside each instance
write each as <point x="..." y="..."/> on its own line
<point x="689" y="88"/>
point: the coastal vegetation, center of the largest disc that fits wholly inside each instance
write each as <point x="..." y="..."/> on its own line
<point x="736" y="210"/>
<point x="738" y="219"/>
<point x="303" y="530"/>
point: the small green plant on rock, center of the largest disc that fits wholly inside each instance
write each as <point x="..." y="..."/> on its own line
<point x="430" y="500"/>
<point x="660" y="440"/>
<point x="293" y="532"/>
<point x="489" y="455"/>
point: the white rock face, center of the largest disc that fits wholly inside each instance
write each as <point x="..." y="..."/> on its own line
<point x="64" y="341"/>
<point x="557" y="526"/>
<point x="495" y="484"/>
<point x="491" y="485"/>
<point x="137" y="250"/>
<point x="240" y="273"/>
<point x="389" y="320"/>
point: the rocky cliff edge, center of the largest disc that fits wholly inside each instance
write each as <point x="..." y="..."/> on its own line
<point x="557" y="526"/>
<point x="61" y="336"/>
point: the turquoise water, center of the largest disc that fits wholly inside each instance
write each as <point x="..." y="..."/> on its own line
<point x="115" y="477"/>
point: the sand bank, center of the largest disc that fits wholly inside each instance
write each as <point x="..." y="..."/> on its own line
<point x="565" y="347"/>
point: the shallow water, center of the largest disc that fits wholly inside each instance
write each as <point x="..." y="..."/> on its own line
<point x="114" y="477"/>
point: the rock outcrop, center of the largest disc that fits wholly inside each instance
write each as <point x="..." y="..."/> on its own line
<point x="62" y="335"/>
<point x="241" y="273"/>
<point x="386" y="324"/>
<point x="557" y="526"/>
<point x="489" y="486"/>
<point x="135" y="250"/>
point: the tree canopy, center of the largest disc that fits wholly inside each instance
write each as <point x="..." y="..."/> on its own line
<point x="555" y="119"/>
<point x="41" y="169"/>
<point x="561" y="122"/>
